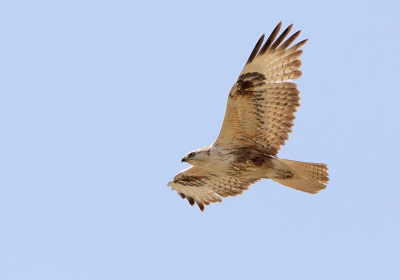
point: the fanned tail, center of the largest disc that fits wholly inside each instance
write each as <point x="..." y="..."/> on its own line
<point x="308" y="177"/>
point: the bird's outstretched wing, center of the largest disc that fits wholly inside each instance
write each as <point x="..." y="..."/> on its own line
<point x="261" y="104"/>
<point x="201" y="187"/>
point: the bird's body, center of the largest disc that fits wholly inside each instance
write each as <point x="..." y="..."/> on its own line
<point x="259" y="116"/>
<point x="238" y="162"/>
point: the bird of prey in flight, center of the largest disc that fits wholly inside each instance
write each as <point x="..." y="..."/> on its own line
<point x="259" y="116"/>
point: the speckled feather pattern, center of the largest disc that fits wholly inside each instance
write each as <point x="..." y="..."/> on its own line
<point x="207" y="188"/>
<point x="258" y="119"/>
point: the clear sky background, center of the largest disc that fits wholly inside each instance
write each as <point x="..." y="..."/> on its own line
<point x="99" y="101"/>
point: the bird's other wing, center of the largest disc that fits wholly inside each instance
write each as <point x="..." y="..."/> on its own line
<point x="201" y="187"/>
<point x="261" y="104"/>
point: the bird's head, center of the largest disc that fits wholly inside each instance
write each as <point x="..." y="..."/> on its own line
<point x="197" y="156"/>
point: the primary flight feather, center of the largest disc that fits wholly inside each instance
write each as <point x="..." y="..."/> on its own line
<point x="259" y="116"/>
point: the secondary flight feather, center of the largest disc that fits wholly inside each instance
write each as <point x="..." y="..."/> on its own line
<point x="259" y="116"/>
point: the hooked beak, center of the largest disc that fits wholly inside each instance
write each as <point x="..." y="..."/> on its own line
<point x="183" y="160"/>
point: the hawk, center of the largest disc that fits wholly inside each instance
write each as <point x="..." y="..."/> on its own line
<point x="259" y="116"/>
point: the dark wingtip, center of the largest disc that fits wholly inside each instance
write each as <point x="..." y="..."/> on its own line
<point x="271" y="43"/>
<point x="282" y="37"/>
<point x="271" y="38"/>
<point x="256" y="49"/>
<point x="201" y="206"/>
<point x="289" y="40"/>
<point x="191" y="200"/>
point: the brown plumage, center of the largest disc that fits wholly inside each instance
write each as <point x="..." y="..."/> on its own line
<point x="258" y="118"/>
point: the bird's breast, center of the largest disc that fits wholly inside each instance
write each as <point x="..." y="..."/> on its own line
<point x="237" y="162"/>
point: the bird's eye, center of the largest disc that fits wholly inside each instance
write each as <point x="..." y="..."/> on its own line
<point x="191" y="154"/>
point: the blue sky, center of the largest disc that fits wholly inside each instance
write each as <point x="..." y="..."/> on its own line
<point x="101" y="99"/>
